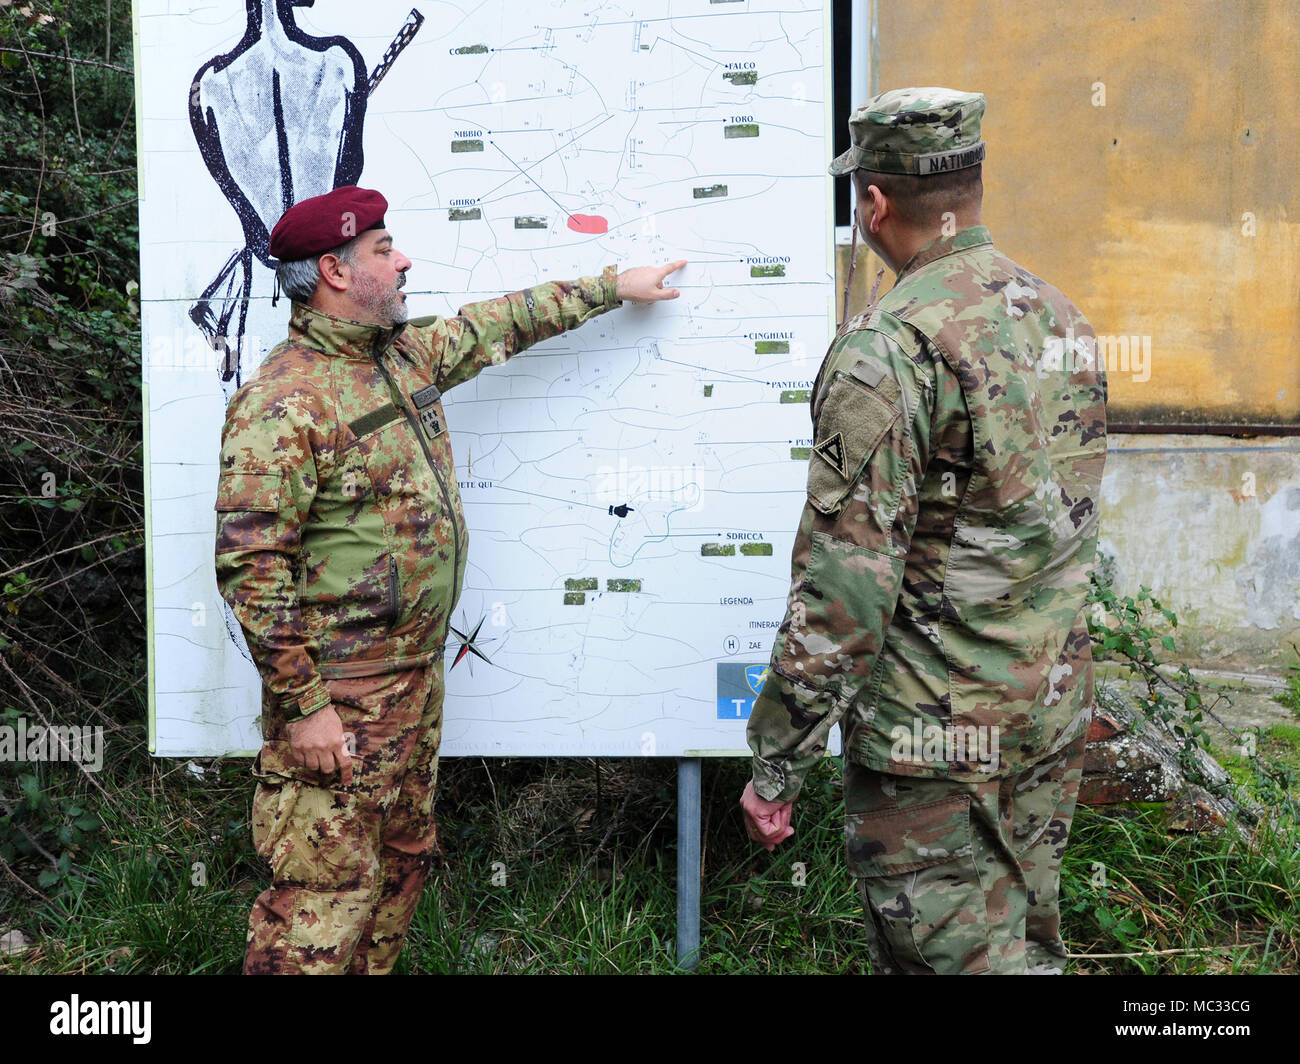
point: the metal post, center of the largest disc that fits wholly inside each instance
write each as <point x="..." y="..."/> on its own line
<point x="688" y="862"/>
<point x="864" y="72"/>
<point x="859" y="53"/>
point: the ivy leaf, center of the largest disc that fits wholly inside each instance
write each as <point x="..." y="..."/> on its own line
<point x="31" y="789"/>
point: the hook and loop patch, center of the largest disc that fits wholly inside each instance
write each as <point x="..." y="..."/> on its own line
<point x="855" y="416"/>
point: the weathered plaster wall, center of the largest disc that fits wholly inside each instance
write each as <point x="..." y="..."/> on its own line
<point x="1212" y="526"/>
<point x="1144" y="159"/>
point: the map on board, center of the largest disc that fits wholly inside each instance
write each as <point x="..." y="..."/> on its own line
<point x="632" y="487"/>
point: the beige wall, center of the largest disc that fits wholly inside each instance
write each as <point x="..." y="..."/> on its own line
<point x="1135" y="208"/>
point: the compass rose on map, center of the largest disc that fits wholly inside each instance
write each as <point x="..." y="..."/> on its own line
<point x="469" y="644"/>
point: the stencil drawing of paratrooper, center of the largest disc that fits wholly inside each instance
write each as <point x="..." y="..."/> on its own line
<point x="278" y="119"/>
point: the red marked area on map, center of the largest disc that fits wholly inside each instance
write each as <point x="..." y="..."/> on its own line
<point x="588" y="223"/>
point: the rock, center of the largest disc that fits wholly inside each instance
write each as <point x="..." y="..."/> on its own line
<point x="1195" y="812"/>
<point x="14" y="943"/>
<point x="1106" y="724"/>
<point x="1131" y="758"/>
<point x="1132" y="768"/>
<point x="482" y="947"/>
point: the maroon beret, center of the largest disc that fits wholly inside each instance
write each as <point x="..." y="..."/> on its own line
<point x="322" y="223"/>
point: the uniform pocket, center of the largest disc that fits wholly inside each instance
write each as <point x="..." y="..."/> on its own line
<point x="921" y="885"/>
<point x="845" y="603"/>
<point x="275" y="763"/>
<point x="358" y="592"/>
<point x="892" y="842"/>
<point x="394" y="460"/>
<point x="305" y="825"/>
<point x="240" y="490"/>
<point x="851" y="422"/>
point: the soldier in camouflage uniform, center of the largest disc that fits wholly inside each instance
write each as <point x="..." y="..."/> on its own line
<point x="341" y="548"/>
<point x="941" y="567"/>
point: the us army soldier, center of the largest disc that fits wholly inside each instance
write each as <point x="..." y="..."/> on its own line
<point x="341" y="549"/>
<point x="940" y="568"/>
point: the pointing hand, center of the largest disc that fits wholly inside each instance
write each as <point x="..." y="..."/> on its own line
<point x="645" y="284"/>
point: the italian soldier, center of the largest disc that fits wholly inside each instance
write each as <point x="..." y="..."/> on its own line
<point x="341" y="547"/>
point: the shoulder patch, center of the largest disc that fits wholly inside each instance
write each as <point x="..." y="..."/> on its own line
<point x="831" y="451"/>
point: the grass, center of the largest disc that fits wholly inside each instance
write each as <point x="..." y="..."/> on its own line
<point x="1291" y="696"/>
<point x="525" y="886"/>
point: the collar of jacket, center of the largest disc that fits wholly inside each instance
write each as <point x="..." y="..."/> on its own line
<point x="962" y="240"/>
<point x="339" y="336"/>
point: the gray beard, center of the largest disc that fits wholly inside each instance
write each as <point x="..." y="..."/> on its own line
<point x="387" y="306"/>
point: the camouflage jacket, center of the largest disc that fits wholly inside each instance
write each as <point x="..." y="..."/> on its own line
<point x="341" y="541"/>
<point x="942" y="560"/>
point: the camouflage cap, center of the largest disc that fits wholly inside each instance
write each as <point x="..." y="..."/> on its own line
<point x="915" y="131"/>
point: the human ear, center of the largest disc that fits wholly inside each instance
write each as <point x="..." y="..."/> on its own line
<point x="333" y="271"/>
<point x="879" y="207"/>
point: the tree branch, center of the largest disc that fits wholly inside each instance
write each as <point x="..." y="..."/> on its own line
<point x="72" y="59"/>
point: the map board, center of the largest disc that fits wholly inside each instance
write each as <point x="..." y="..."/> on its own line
<point x="632" y="487"/>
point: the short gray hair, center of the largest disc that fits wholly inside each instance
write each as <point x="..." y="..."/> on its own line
<point x="299" y="277"/>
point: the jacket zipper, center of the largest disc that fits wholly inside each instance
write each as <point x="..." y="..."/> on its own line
<point x="400" y="403"/>
<point x="394" y="599"/>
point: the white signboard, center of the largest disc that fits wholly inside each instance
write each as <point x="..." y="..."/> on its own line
<point x="632" y="487"/>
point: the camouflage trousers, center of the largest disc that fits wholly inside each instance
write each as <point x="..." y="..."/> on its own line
<point x="962" y="877"/>
<point x="348" y="864"/>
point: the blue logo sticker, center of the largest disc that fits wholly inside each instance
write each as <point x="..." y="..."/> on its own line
<point x="738" y="687"/>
